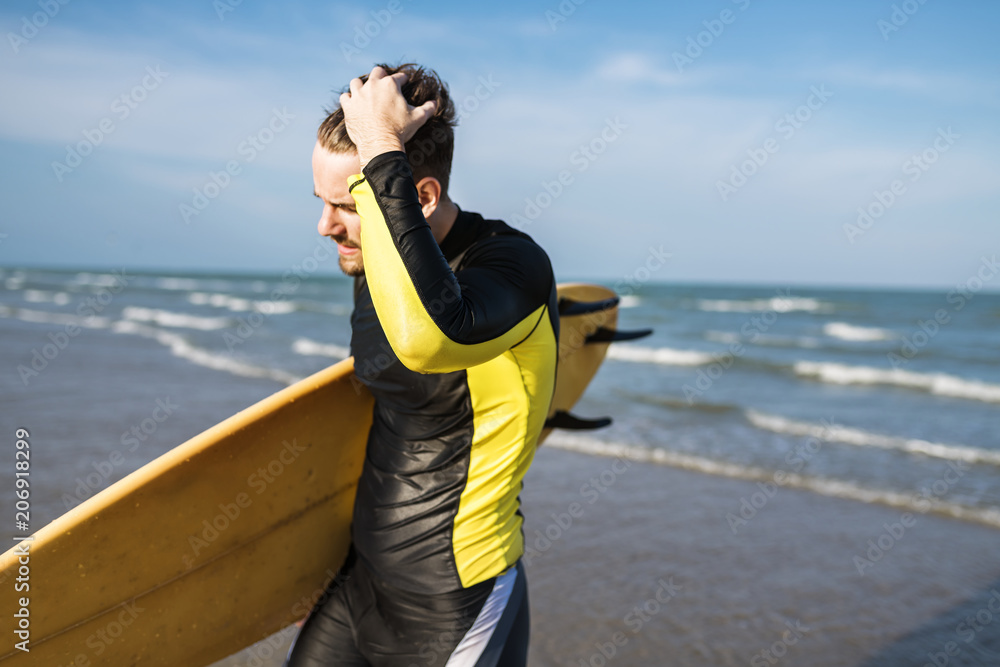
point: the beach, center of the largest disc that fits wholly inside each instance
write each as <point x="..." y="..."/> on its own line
<point x="644" y="545"/>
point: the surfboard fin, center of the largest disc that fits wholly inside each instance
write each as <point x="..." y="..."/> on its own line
<point x="603" y="335"/>
<point x="565" y="420"/>
<point x="568" y="307"/>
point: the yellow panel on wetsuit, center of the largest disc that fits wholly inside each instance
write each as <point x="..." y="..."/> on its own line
<point x="510" y="399"/>
<point x="458" y="344"/>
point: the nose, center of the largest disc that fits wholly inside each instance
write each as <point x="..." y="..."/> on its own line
<point x="329" y="225"/>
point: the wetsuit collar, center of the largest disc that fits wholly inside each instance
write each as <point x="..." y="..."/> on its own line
<point x="463" y="231"/>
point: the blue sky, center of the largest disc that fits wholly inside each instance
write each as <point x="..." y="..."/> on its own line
<point x="741" y="137"/>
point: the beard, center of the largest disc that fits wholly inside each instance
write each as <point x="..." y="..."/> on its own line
<point x="352" y="266"/>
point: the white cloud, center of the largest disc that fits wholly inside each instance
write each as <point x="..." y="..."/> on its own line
<point x="635" y="67"/>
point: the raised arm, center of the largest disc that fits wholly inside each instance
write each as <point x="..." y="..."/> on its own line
<point x="437" y="320"/>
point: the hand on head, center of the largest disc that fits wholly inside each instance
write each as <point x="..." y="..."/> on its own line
<point x="378" y="117"/>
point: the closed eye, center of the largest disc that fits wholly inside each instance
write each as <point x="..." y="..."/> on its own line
<point x="351" y="208"/>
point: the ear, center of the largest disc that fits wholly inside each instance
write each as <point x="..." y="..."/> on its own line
<point x="429" y="192"/>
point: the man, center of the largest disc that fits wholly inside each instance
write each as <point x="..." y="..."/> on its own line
<point x="455" y="319"/>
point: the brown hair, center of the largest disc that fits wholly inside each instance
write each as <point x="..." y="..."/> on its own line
<point x="430" y="150"/>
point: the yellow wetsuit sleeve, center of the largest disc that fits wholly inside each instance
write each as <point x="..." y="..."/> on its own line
<point x="437" y="320"/>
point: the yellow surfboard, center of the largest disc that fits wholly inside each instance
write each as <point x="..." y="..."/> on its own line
<point x="233" y="535"/>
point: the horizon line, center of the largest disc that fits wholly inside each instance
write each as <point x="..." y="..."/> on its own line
<point x="248" y="273"/>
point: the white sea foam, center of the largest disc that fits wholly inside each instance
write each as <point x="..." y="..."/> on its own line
<point x="658" y="355"/>
<point x="180" y="347"/>
<point x="312" y="348"/>
<point x="629" y="301"/>
<point x="851" y="332"/>
<point x="218" y="300"/>
<point x="166" y="318"/>
<point x="940" y="384"/>
<point x="183" y="284"/>
<point x="62" y="319"/>
<point x="778" y="304"/>
<point x="862" y="438"/>
<point x="237" y="304"/>
<point x="95" y="280"/>
<point x="819" y="485"/>
<point x="275" y="307"/>
<point x="40" y="296"/>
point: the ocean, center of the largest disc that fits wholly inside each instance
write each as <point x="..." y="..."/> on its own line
<point x="877" y="398"/>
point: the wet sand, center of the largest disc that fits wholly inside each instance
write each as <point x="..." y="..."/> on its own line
<point x="786" y="582"/>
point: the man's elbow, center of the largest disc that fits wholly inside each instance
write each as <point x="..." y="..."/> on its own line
<point x="423" y="348"/>
<point x="422" y="353"/>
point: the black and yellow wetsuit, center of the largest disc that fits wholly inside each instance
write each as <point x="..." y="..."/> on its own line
<point x="458" y="344"/>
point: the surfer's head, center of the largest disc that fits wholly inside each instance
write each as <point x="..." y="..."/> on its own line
<point x="431" y="148"/>
<point x="429" y="153"/>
